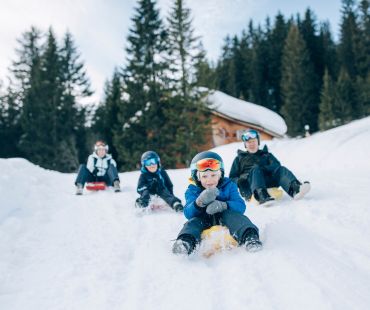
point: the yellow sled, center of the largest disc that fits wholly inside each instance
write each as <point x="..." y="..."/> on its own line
<point x="274" y="192"/>
<point x="216" y="239"/>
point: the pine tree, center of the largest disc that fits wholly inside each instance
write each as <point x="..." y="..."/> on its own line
<point x="363" y="56"/>
<point x="299" y="106"/>
<point x="260" y="60"/>
<point x="245" y="65"/>
<point x="106" y="117"/>
<point x="346" y="101"/>
<point x="185" y="112"/>
<point x="276" y="41"/>
<point x="10" y="127"/>
<point x="26" y="72"/>
<point x="205" y="75"/>
<point x="145" y="84"/>
<point x="71" y="116"/>
<point x="363" y="60"/>
<point x="348" y="49"/>
<point x="328" y="50"/>
<point x="327" y="103"/>
<point x="308" y="30"/>
<point x="48" y="81"/>
<point x="225" y="69"/>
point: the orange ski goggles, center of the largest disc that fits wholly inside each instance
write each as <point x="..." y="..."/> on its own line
<point x="208" y="164"/>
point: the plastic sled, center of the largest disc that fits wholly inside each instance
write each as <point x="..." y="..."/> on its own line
<point x="96" y="186"/>
<point x="156" y="203"/>
<point x="274" y="192"/>
<point x="216" y="239"/>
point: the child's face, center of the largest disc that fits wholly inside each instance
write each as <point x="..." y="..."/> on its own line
<point x="209" y="178"/>
<point x="101" y="152"/>
<point x="152" y="168"/>
<point x="251" y="145"/>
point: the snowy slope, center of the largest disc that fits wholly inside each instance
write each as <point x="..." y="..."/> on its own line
<point x="61" y="251"/>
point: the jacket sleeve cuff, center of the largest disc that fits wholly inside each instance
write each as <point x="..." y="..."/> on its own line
<point x="197" y="207"/>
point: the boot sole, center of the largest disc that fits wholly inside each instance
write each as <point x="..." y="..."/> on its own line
<point x="303" y="190"/>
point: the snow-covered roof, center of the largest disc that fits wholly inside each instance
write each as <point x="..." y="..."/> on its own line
<point x="247" y="112"/>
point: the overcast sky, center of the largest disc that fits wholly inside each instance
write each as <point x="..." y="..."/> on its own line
<point x="100" y="27"/>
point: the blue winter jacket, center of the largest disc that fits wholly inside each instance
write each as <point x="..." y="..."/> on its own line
<point x="228" y="193"/>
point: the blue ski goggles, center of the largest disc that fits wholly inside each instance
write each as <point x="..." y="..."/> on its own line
<point x="150" y="162"/>
<point x="250" y="134"/>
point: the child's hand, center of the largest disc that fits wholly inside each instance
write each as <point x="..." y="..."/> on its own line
<point x="216" y="206"/>
<point x="206" y="197"/>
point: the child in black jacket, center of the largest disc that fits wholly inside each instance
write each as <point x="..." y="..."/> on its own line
<point x="155" y="181"/>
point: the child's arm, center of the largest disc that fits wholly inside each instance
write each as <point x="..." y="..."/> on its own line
<point x="142" y="184"/>
<point x="191" y="209"/>
<point x="90" y="164"/>
<point x="113" y="162"/>
<point x="235" y="201"/>
<point x="234" y="171"/>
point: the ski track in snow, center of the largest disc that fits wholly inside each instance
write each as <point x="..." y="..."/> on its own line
<point x="96" y="251"/>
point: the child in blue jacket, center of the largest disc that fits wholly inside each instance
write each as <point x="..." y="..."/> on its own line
<point x="214" y="200"/>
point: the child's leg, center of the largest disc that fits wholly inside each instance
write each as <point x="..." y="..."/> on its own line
<point x="111" y="175"/>
<point x="237" y="224"/>
<point x="168" y="197"/>
<point x="245" y="189"/>
<point x="284" y="178"/>
<point x="193" y="229"/>
<point x="84" y="175"/>
<point x="256" y="179"/>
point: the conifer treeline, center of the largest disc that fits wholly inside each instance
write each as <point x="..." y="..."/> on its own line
<point x="39" y="117"/>
<point x="292" y="66"/>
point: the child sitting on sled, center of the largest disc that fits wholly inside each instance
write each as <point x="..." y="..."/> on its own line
<point x="154" y="180"/>
<point x="214" y="200"/>
<point x="255" y="170"/>
<point x="100" y="167"/>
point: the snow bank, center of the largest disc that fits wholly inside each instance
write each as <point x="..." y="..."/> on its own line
<point x="61" y="251"/>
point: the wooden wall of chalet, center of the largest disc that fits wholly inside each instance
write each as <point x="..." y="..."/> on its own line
<point x="225" y="131"/>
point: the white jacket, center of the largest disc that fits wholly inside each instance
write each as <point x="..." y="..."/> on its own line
<point x="101" y="164"/>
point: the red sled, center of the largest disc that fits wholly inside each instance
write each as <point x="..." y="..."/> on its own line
<point x="96" y="186"/>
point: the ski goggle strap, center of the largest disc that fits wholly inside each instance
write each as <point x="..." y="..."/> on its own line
<point x="251" y="134"/>
<point x="150" y="162"/>
<point x="207" y="164"/>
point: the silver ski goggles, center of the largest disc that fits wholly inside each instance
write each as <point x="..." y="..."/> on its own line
<point x="252" y="134"/>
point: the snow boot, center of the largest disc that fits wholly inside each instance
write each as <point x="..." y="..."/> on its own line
<point x="252" y="242"/>
<point x="116" y="186"/>
<point x="140" y="203"/>
<point x="178" y="207"/>
<point x="79" y="189"/>
<point x="184" y="245"/>
<point x="298" y="190"/>
<point x="263" y="197"/>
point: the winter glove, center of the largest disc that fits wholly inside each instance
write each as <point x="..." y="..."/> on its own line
<point x="178" y="207"/>
<point x="243" y="177"/>
<point x="216" y="206"/>
<point x="206" y="197"/>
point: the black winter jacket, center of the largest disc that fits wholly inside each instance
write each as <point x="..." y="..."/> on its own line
<point x="154" y="182"/>
<point x="244" y="162"/>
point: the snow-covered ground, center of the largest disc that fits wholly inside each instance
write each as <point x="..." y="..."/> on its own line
<point x="61" y="251"/>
